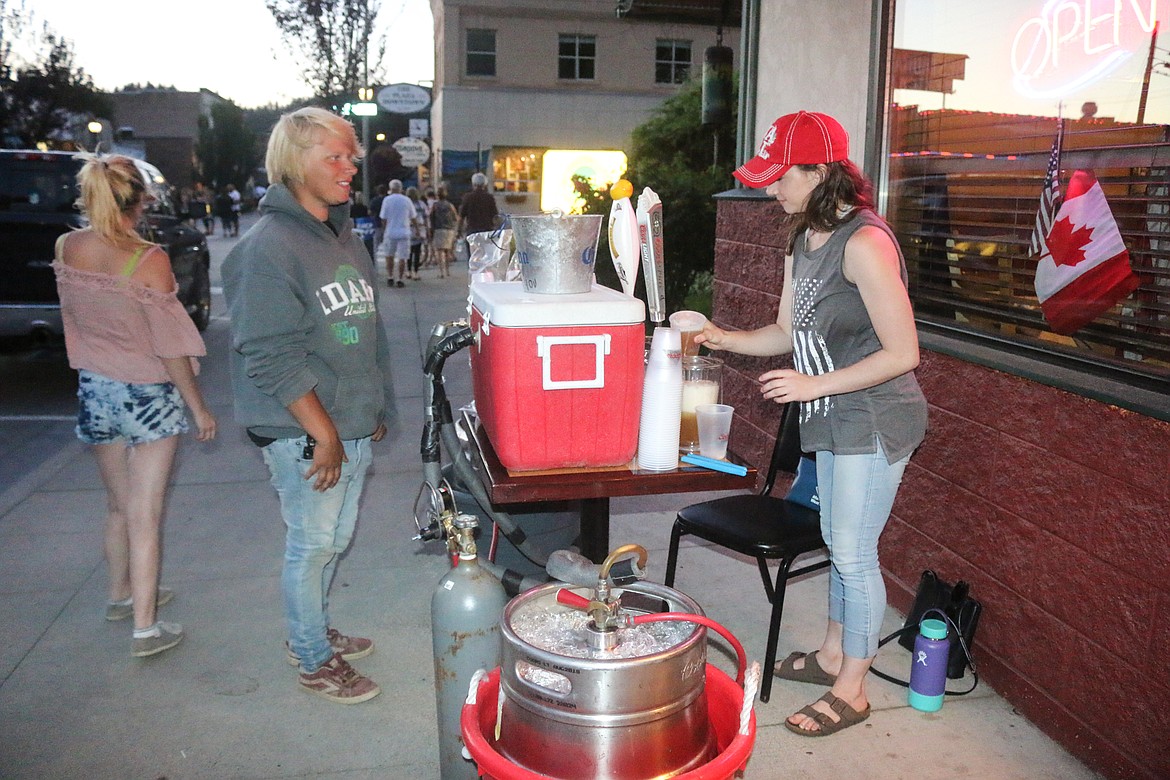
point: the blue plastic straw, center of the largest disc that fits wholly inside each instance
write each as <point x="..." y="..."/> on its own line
<point x="715" y="465"/>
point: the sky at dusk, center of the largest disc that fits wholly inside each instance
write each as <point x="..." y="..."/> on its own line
<point x="231" y="47"/>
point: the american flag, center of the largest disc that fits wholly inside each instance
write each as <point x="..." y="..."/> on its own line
<point x="1049" y="198"/>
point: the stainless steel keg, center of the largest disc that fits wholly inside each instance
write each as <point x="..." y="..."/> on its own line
<point x="635" y="712"/>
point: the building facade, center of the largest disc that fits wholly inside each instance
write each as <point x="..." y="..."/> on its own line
<point x="517" y="78"/>
<point x="1045" y="478"/>
<point x="164" y="123"/>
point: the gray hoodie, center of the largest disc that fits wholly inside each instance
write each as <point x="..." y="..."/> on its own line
<point x="303" y="306"/>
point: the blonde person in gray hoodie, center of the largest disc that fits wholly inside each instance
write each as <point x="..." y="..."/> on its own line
<point x="311" y="377"/>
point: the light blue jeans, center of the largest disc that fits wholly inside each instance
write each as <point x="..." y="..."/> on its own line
<point x="319" y="529"/>
<point x="857" y="493"/>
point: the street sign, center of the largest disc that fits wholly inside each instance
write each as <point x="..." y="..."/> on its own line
<point x="404" y="98"/>
<point x="419" y="128"/>
<point x="414" y="151"/>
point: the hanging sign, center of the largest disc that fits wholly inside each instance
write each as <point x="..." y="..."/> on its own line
<point x="404" y="99"/>
<point x="414" y="152"/>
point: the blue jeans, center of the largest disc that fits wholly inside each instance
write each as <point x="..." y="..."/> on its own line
<point x="320" y="527"/>
<point x="857" y="493"/>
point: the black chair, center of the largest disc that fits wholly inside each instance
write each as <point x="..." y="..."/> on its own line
<point x="762" y="526"/>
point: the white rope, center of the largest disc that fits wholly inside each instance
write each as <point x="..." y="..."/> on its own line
<point x="473" y="689"/>
<point x="751" y="683"/>
<point x="499" y="712"/>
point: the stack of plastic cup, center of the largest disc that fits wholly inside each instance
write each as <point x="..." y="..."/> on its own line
<point x="661" y="403"/>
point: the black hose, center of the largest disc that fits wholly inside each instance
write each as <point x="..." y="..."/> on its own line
<point x="470" y="480"/>
<point x="446" y="339"/>
<point x="437" y="411"/>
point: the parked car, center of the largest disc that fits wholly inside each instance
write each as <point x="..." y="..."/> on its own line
<point x="38" y="194"/>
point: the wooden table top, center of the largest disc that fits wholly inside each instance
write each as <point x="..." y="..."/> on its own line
<point x="507" y="487"/>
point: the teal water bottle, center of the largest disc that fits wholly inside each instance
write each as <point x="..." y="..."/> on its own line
<point x="928" y="666"/>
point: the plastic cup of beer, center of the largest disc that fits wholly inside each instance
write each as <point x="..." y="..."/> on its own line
<point x="701" y="385"/>
<point x="714" y="421"/>
<point x="689" y="324"/>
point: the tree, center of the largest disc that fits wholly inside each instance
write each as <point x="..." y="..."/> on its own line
<point x="672" y="155"/>
<point x="43" y="99"/>
<point x="333" y="37"/>
<point x="226" y="148"/>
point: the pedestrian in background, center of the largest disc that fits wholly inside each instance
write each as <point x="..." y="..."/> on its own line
<point x="237" y="207"/>
<point x="477" y="211"/>
<point x="203" y="197"/>
<point x="223" y="209"/>
<point x="134" y="347"/>
<point x="398" y="217"/>
<point x="418" y="234"/>
<point x="311" y="377"/>
<point x="429" y="200"/>
<point x="845" y="316"/>
<point x="444" y="221"/>
<point x="376" y="212"/>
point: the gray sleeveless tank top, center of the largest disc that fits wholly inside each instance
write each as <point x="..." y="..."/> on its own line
<point x="831" y="330"/>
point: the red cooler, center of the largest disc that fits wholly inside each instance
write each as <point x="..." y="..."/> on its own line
<point x="558" y="378"/>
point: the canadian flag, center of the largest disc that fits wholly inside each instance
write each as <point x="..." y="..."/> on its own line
<point x="1086" y="268"/>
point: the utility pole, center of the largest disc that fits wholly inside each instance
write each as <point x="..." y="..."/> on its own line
<point x="366" y="96"/>
<point x="1141" y="115"/>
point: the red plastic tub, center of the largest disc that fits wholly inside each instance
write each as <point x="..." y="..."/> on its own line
<point x="724" y="703"/>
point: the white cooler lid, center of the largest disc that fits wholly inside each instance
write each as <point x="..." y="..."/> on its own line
<point x="509" y="305"/>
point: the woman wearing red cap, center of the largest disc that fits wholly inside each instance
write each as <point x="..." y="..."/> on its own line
<point x="845" y="317"/>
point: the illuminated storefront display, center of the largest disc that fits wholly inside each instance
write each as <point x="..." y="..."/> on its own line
<point x="601" y="168"/>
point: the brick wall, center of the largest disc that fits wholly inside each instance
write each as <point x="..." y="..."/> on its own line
<point x="1056" y="509"/>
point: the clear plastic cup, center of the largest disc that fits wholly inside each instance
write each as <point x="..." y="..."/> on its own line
<point x="689" y="324"/>
<point x="714" y="429"/>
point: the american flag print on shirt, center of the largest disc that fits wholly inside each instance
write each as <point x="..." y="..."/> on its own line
<point x="810" y="353"/>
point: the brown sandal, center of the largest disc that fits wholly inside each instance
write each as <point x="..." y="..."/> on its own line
<point x="811" y="672"/>
<point x="848" y="717"/>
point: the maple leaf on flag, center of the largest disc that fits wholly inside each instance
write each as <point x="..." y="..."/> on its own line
<point x="1066" y="244"/>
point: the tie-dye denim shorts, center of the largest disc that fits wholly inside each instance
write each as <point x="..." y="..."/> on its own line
<point x="120" y="411"/>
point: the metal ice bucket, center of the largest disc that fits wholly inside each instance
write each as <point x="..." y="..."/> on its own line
<point x="615" y="718"/>
<point x="557" y="251"/>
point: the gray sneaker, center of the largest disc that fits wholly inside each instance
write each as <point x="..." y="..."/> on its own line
<point x="166" y="636"/>
<point x="115" y="611"/>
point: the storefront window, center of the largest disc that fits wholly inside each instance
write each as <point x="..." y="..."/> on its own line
<point x="516" y="169"/>
<point x="977" y="99"/>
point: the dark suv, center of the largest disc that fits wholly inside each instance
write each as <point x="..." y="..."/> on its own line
<point x="37" y="195"/>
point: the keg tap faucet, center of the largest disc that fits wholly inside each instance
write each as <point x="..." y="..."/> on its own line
<point x="605" y="615"/>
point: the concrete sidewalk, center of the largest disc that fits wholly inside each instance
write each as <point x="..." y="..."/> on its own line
<point x="224" y="704"/>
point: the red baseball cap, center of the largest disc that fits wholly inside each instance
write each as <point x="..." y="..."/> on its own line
<point x="803" y="138"/>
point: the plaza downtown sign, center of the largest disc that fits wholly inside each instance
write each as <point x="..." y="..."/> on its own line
<point x="1070" y="44"/>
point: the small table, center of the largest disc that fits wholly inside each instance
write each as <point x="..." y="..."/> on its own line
<point x="593" y="487"/>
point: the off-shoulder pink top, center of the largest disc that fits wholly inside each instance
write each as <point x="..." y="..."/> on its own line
<point x="121" y="329"/>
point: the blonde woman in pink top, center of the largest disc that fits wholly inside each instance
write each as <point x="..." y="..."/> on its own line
<point x="134" y="348"/>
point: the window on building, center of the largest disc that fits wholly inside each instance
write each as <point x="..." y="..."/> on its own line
<point x="516" y="169"/>
<point x="481" y="52"/>
<point x="974" y="116"/>
<point x="672" y="61"/>
<point x="576" y="57"/>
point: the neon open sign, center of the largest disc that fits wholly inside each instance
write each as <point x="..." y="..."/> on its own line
<point x="1070" y="44"/>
